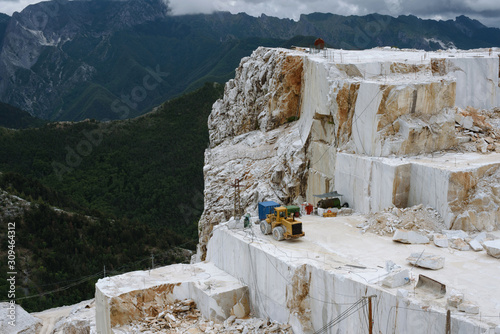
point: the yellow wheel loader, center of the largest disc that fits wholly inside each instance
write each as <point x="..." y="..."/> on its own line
<point x="281" y="225"/>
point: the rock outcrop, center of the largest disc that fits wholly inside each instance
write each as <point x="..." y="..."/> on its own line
<point x="264" y="94"/>
<point x="255" y="138"/>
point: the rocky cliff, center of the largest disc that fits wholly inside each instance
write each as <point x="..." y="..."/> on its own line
<point x="255" y="138"/>
<point x="293" y="124"/>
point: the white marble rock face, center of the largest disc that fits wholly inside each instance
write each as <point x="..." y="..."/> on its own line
<point x="367" y="124"/>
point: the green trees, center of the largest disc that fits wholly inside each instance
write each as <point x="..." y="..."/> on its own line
<point x="125" y="193"/>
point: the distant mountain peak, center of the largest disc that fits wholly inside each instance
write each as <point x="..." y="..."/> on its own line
<point x="467" y="20"/>
<point x="468" y="25"/>
<point x="71" y="60"/>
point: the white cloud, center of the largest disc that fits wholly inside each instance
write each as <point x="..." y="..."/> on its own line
<point x="181" y="7"/>
<point x="10" y="6"/>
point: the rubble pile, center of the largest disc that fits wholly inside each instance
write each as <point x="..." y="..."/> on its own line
<point x="184" y="317"/>
<point x="478" y="130"/>
<point x="419" y="225"/>
<point x="416" y="218"/>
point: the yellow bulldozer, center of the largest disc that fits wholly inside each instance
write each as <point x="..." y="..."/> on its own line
<point x="282" y="225"/>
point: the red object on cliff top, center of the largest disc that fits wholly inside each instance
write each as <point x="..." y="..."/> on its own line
<point x="319" y="43"/>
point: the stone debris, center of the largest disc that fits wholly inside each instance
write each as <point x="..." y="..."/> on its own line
<point x="459" y="243"/>
<point x="440" y="240"/>
<point x="184" y="317"/>
<point x="391" y="266"/>
<point x="460" y="240"/>
<point x="468" y="307"/>
<point x="481" y="237"/>
<point x="478" y="129"/>
<point x="409" y="237"/>
<point x="426" y="260"/>
<point x="475" y="245"/>
<point x="455" y="298"/>
<point x="416" y="218"/>
<point x="451" y="234"/>
<point x="492" y="248"/>
<point x="345" y="212"/>
<point x="477" y="242"/>
<point x="396" y="279"/>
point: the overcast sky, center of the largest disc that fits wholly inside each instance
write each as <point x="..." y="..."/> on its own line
<point x="486" y="11"/>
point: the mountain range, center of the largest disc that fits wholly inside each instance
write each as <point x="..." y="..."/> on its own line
<point x="73" y="60"/>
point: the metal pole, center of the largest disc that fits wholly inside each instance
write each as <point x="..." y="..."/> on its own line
<point x="370" y="316"/>
<point x="152" y="261"/>
<point x="448" y="322"/>
<point x="239" y="199"/>
<point x="104" y="271"/>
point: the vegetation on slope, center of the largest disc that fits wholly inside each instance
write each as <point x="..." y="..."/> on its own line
<point x="141" y="181"/>
<point x="15" y="118"/>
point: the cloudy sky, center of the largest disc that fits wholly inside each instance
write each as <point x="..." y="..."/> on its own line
<point x="486" y="11"/>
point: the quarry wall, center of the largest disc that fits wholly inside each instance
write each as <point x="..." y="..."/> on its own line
<point x="123" y="299"/>
<point x="294" y="287"/>
<point x="288" y="115"/>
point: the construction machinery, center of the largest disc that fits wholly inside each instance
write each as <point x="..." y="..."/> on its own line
<point x="281" y="224"/>
<point x="331" y="200"/>
<point x="329" y="213"/>
<point x="330" y="203"/>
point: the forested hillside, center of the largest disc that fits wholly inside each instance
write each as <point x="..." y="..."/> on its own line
<point x="15" y="118"/>
<point x="129" y="189"/>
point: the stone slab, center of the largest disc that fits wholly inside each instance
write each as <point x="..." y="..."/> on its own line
<point x="492" y="247"/>
<point x="440" y="240"/>
<point x="396" y="279"/>
<point x="426" y="260"/>
<point x="459" y="244"/>
<point x="455" y="234"/>
<point x="475" y="245"/>
<point x="468" y="307"/>
<point x="409" y="237"/>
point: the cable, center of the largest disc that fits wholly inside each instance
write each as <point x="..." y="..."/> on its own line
<point x="82" y="280"/>
<point x="73" y="280"/>
<point x="57" y="290"/>
<point x="344" y="315"/>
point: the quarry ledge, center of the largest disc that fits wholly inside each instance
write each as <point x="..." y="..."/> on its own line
<point x="123" y="299"/>
<point x="309" y="281"/>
